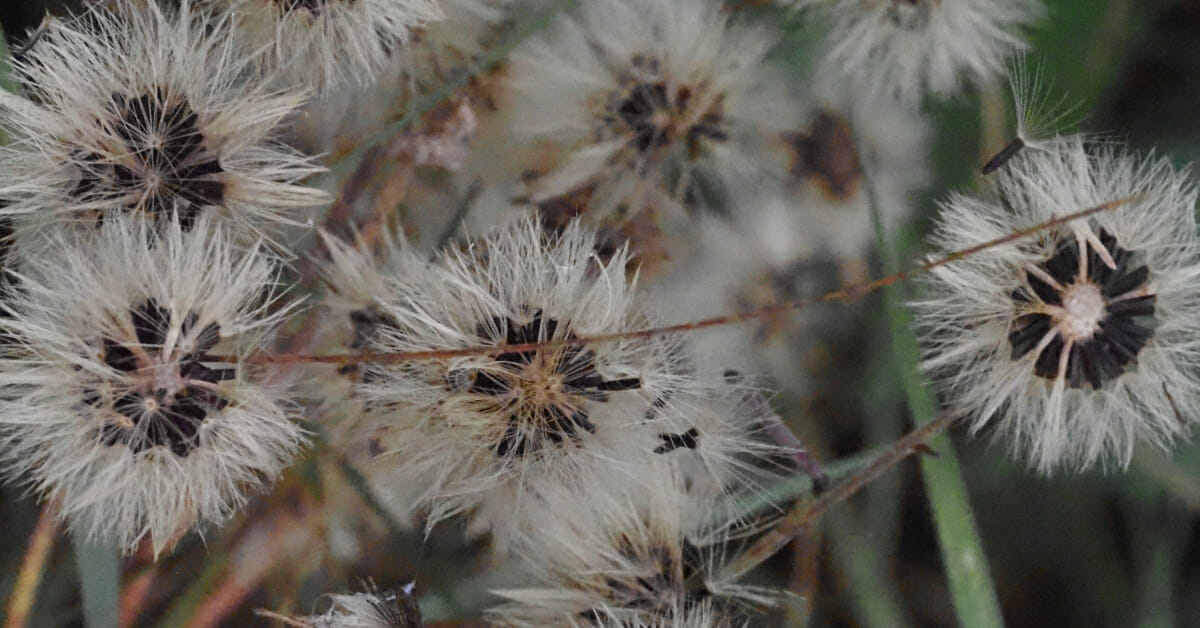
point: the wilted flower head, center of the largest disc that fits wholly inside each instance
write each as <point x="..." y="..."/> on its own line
<point x="903" y="48"/>
<point x="633" y="95"/>
<point x="1081" y="341"/>
<point x="326" y="44"/>
<point x="140" y="112"/>
<point x="114" y="401"/>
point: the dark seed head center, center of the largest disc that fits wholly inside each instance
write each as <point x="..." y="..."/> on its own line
<point x="1084" y="317"/>
<point x="543" y="393"/>
<point x="161" y="162"/>
<point x="155" y="401"/>
<point x="653" y="113"/>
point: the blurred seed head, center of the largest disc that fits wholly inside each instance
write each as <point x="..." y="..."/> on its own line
<point x="638" y="96"/>
<point x="904" y="49"/>
<point x="626" y="557"/>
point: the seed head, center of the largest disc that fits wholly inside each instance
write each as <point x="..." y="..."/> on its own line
<point x="137" y="111"/>
<point x="1083" y="341"/>
<point x="645" y="95"/>
<point x="901" y="49"/>
<point x="113" y="402"/>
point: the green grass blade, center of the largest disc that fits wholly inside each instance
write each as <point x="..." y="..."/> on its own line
<point x="100" y="580"/>
<point x="967" y="572"/>
<point x="7" y="82"/>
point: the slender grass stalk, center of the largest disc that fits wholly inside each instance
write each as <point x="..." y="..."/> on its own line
<point x="100" y="581"/>
<point x="877" y="601"/>
<point x="1177" y="481"/>
<point x="967" y="573"/>
<point x="7" y="82"/>
<point x="1160" y="553"/>
<point x="20" y="602"/>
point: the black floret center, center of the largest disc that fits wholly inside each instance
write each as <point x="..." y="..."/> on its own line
<point x="163" y="165"/>
<point x="572" y="366"/>
<point x="654" y="115"/>
<point x="156" y="417"/>
<point x="1123" y="331"/>
<point x="672" y="579"/>
<point x="638" y="111"/>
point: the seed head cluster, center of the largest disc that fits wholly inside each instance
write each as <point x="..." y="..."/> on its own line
<point x="472" y="334"/>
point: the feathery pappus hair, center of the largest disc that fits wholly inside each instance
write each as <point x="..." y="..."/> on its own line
<point x="633" y="96"/>
<point x="1083" y="340"/>
<point x="111" y="399"/>
<point x="482" y="432"/>
<point x="349" y="116"/>
<point x="696" y="426"/>
<point x="325" y="44"/>
<point x="902" y="49"/>
<point x="627" y="555"/>
<point x="1040" y="117"/>
<point x="145" y="112"/>
<point x="372" y="608"/>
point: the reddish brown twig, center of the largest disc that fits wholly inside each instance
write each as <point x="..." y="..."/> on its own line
<point x="844" y="294"/>
<point x="804" y="515"/>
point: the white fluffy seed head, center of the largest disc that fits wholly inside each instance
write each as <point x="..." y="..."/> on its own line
<point x="638" y="96"/>
<point x="143" y="112"/>
<point x="902" y="49"/>
<point x="325" y="44"/>
<point x="370" y="609"/>
<point x="625" y="556"/>
<point x="483" y="431"/>
<point x="1084" y="340"/>
<point x="112" y="401"/>
<point x="488" y="435"/>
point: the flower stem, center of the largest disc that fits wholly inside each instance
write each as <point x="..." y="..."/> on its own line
<point x="844" y="294"/>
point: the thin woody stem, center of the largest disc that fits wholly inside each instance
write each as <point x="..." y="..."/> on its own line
<point x="803" y="515"/>
<point x="846" y="293"/>
<point x="20" y="603"/>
